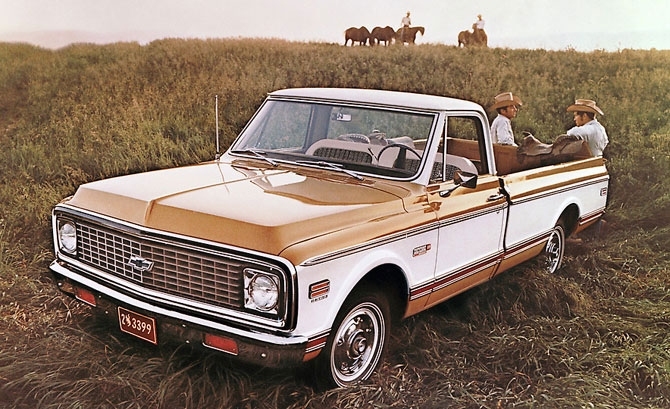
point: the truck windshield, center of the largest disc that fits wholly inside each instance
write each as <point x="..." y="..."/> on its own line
<point x="381" y="142"/>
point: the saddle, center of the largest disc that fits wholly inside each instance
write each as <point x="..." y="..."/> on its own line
<point x="565" y="148"/>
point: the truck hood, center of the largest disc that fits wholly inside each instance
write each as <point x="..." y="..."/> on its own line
<point x="242" y="204"/>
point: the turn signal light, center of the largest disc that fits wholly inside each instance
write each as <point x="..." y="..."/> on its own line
<point x="85" y="296"/>
<point x="221" y="343"/>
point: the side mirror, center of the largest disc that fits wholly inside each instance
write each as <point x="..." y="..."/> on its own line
<point x="465" y="179"/>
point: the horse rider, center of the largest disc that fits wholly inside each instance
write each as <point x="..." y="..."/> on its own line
<point x="479" y="24"/>
<point x="405" y="22"/>
<point x="478" y="29"/>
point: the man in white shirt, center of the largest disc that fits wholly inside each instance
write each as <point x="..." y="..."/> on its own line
<point x="479" y="24"/>
<point x="587" y="126"/>
<point x="478" y="33"/>
<point x="406" y="22"/>
<point x="507" y="106"/>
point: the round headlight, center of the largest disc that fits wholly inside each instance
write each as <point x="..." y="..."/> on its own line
<point x="264" y="292"/>
<point x="67" y="236"/>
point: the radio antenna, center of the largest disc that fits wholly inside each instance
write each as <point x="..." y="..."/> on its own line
<point x="216" y="111"/>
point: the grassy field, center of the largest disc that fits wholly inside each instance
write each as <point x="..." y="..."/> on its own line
<point x="594" y="335"/>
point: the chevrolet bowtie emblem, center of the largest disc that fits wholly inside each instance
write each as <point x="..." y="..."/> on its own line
<point x="140" y="264"/>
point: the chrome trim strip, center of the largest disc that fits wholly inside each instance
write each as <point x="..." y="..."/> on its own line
<point x="161" y="233"/>
<point x="474" y="268"/>
<point x="169" y="299"/>
<point x="588" y="218"/>
<point x="288" y="319"/>
<point x="454" y="276"/>
<point x="562" y="189"/>
<point x="255" y="335"/>
<point x="525" y="245"/>
<point x="402" y="235"/>
<point x="370" y="244"/>
<point x="445" y="222"/>
<point x="317" y="342"/>
<point x="473" y="215"/>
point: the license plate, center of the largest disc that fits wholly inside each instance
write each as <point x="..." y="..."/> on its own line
<point x="141" y="326"/>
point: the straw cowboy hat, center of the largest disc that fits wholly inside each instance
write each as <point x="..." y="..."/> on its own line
<point x="505" y="99"/>
<point x="585" y="105"/>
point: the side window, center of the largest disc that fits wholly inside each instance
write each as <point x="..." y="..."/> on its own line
<point x="464" y="139"/>
<point x="465" y="148"/>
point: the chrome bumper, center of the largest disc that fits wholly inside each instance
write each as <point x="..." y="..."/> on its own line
<point x="269" y="350"/>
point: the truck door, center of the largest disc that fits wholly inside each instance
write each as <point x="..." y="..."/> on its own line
<point x="471" y="221"/>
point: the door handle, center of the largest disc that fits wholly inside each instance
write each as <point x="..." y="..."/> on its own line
<point x="495" y="197"/>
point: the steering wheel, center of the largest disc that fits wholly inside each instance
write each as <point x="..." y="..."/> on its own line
<point x="354" y="137"/>
<point x="402" y="155"/>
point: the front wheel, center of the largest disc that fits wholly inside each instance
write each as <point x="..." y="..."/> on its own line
<point x="358" y="341"/>
<point x="554" y="249"/>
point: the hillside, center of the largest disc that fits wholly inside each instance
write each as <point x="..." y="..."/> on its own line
<point x="594" y="335"/>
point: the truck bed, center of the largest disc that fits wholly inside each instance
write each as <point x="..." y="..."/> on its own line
<point x="508" y="159"/>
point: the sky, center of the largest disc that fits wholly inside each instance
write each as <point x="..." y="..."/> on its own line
<point x="583" y="25"/>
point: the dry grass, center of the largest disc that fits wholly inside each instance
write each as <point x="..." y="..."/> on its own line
<point x="594" y="335"/>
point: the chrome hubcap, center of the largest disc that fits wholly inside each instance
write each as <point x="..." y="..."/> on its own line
<point x="554" y="250"/>
<point x="357" y="345"/>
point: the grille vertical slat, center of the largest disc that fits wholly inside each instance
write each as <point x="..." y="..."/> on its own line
<point x="177" y="269"/>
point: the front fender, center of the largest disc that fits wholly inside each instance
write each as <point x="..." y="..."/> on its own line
<point x="341" y="275"/>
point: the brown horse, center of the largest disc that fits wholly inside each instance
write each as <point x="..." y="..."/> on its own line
<point x="360" y="35"/>
<point x="379" y="34"/>
<point x="408" y="34"/>
<point x="477" y="38"/>
<point x="464" y="38"/>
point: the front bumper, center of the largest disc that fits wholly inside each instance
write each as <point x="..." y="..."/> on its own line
<point x="269" y="350"/>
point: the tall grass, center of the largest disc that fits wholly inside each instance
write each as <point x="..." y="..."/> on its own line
<point x="594" y="335"/>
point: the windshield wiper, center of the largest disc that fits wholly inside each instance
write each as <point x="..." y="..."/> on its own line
<point x="332" y="166"/>
<point x="257" y="153"/>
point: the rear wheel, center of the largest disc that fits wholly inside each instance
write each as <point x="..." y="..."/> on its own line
<point x="554" y="249"/>
<point x="358" y="341"/>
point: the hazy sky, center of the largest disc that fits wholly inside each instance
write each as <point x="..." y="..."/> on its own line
<point x="553" y="24"/>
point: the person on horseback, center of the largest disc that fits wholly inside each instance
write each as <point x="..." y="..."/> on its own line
<point x="405" y="23"/>
<point x="479" y="24"/>
<point x="478" y="30"/>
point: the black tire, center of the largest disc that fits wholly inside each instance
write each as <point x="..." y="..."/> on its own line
<point x="554" y="249"/>
<point x="357" y="342"/>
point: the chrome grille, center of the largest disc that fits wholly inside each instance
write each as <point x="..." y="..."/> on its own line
<point x="177" y="269"/>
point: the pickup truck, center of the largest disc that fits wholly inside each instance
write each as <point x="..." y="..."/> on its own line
<point x="333" y="214"/>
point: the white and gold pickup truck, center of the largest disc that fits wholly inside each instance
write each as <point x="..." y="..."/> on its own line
<point x="333" y="213"/>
